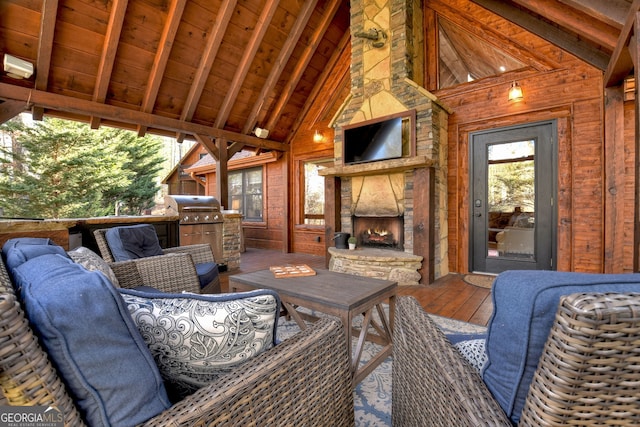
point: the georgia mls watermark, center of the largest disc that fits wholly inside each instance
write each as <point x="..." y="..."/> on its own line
<point x="31" y="416"/>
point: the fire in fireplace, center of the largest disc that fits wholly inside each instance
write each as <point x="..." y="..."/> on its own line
<point x="379" y="232"/>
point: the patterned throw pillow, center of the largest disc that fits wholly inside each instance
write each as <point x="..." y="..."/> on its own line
<point x="473" y="351"/>
<point x="195" y="339"/>
<point x="93" y="262"/>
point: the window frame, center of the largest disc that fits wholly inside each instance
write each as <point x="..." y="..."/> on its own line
<point x="243" y="172"/>
<point x="300" y="192"/>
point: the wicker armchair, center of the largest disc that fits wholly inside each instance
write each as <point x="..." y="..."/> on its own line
<point x="303" y="381"/>
<point x="198" y="254"/>
<point x="588" y="373"/>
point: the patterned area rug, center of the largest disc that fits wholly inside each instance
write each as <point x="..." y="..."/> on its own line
<point x="480" y="280"/>
<point x="372" y="397"/>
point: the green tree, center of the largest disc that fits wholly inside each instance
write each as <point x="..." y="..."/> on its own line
<point x="144" y="161"/>
<point x="60" y="169"/>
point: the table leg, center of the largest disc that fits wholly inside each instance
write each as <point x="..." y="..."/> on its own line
<point x="291" y="311"/>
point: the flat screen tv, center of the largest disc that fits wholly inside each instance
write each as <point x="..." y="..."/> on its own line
<point x="384" y="138"/>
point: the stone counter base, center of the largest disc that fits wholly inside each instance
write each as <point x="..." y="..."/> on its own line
<point x="383" y="264"/>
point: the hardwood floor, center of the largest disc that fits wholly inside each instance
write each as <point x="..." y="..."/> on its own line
<point x="448" y="296"/>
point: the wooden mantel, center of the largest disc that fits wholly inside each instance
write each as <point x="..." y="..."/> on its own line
<point x="376" y="168"/>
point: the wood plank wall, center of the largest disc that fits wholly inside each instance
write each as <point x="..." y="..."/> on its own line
<point x="556" y="86"/>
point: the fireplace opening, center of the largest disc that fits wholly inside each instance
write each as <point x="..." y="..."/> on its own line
<point x="379" y="232"/>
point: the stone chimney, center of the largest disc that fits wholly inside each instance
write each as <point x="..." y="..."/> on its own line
<point x="384" y="80"/>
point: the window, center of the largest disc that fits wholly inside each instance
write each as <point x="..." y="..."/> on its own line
<point x="465" y="57"/>
<point x="313" y="193"/>
<point x="245" y="193"/>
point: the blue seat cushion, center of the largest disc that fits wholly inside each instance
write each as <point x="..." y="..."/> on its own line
<point x="207" y="272"/>
<point x="90" y="337"/>
<point x="524" y="309"/>
<point x="133" y="242"/>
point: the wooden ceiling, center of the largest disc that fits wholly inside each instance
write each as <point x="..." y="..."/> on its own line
<point x="597" y="31"/>
<point x="219" y="68"/>
<point x="215" y="68"/>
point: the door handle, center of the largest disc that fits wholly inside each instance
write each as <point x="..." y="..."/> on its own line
<point x="477" y="214"/>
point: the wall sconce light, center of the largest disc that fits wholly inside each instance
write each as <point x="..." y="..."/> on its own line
<point x="515" y="92"/>
<point x="317" y="136"/>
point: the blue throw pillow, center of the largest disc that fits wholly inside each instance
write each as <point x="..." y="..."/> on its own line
<point x="133" y="242"/>
<point x="524" y="308"/>
<point x="19" y="250"/>
<point x="92" y="340"/>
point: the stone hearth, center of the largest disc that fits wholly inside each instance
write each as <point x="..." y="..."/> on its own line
<point x="383" y="264"/>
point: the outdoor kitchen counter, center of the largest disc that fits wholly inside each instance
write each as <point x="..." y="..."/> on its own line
<point x="56" y="230"/>
<point x="66" y="232"/>
<point x="128" y="219"/>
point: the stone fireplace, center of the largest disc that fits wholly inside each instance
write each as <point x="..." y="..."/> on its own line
<point x="407" y="194"/>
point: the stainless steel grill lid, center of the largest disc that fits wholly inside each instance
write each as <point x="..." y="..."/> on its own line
<point x="194" y="209"/>
<point x="179" y="203"/>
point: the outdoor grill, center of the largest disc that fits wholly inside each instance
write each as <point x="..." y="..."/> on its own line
<point x="201" y="221"/>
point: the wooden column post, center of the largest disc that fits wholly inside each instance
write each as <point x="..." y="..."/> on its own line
<point x="222" y="173"/>
<point x="332" y="209"/>
<point x="424" y="220"/>
<point x="613" y="179"/>
<point x="634" y="46"/>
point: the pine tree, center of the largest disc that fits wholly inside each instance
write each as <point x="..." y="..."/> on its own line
<point x="62" y="169"/>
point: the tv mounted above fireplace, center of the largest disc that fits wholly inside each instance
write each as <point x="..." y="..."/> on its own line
<point x="382" y="138"/>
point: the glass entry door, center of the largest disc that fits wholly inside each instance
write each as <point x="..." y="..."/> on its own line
<point x="512" y="209"/>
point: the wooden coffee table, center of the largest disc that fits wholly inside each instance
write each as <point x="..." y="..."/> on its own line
<point x="342" y="295"/>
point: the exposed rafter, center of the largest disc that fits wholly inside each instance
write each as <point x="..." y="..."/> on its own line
<point x="210" y="52"/>
<point x="293" y="81"/>
<point x="612" y="12"/>
<point x="114" y="29"/>
<point x="621" y="62"/>
<point x="332" y="69"/>
<point x="174" y="16"/>
<point x="596" y="31"/>
<point x="247" y="57"/>
<point x="43" y="65"/>
<point x="281" y="62"/>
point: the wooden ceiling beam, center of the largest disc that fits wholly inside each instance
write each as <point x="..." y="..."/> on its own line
<point x="592" y="29"/>
<point x="234" y="148"/>
<point x="621" y="62"/>
<point x="283" y="57"/>
<point x="10" y="109"/>
<point x="546" y="31"/>
<point x="45" y="47"/>
<point x="84" y="108"/>
<point x="218" y="30"/>
<point x="174" y="15"/>
<point x="334" y="68"/>
<point x="305" y="58"/>
<point x="108" y="57"/>
<point x="613" y="12"/>
<point x="209" y="145"/>
<point x="245" y="62"/>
